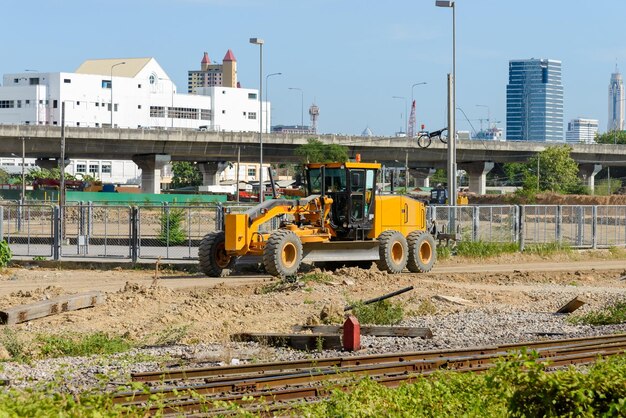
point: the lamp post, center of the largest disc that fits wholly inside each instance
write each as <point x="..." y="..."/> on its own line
<point x="112" y="106"/>
<point x="301" y="105"/>
<point x="451" y="108"/>
<point x="413" y="86"/>
<point x="267" y="87"/>
<point x="259" y="42"/>
<point x="405" y="110"/>
<point x="488" y="115"/>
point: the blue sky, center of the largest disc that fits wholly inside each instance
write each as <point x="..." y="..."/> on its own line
<point x="349" y="56"/>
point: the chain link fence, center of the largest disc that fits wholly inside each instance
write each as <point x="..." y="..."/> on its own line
<point x="175" y="232"/>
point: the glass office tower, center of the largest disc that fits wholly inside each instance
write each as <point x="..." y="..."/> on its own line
<point x="534" y="101"/>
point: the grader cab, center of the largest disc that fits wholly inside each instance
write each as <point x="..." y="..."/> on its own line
<point x="343" y="220"/>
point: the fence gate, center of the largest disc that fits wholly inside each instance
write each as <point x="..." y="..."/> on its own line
<point x="28" y="229"/>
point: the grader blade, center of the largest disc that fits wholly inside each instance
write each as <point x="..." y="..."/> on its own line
<point x="341" y="251"/>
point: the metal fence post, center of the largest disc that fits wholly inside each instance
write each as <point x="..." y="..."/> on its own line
<point x="594" y="227"/>
<point x="1" y="223"/>
<point x="475" y="222"/>
<point x="520" y="221"/>
<point x="580" y="226"/>
<point x="134" y="234"/>
<point x="56" y="233"/>
<point x="559" y="224"/>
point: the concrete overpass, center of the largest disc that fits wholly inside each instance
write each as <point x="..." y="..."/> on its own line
<point x="152" y="148"/>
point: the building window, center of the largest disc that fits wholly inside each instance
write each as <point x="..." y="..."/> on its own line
<point x="19" y="103"/>
<point x="93" y="168"/>
<point x="7" y="104"/>
<point x="252" y="172"/>
<point x="34" y="81"/>
<point x="77" y="103"/>
<point x="97" y="104"/>
<point x="106" y="84"/>
<point x="138" y="106"/>
<point x="16" y="80"/>
<point x="81" y="167"/>
<point x="252" y="115"/>
<point x="54" y="104"/>
<point x="223" y="112"/>
<point x="138" y="86"/>
<point x="157" y="112"/>
<point x="67" y="80"/>
<point x="252" y="96"/>
<point x="205" y="114"/>
<point x="27" y="101"/>
<point x="77" y="123"/>
<point x="106" y="168"/>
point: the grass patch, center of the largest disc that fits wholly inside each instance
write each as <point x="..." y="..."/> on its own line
<point x="316" y="277"/>
<point x="172" y="335"/>
<point x="81" y="345"/>
<point x="443" y="252"/>
<point x="617" y="252"/>
<point x="14" y="345"/>
<point x="379" y="313"/>
<point x="548" y="248"/>
<point x="426" y="307"/>
<point x="482" y="249"/>
<point x="614" y="313"/>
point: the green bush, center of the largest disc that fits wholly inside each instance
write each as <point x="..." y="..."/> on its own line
<point x="172" y="231"/>
<point x="5" y="254"/>
<point x="379" y="313"/>
<point x="614" y="313"/>
<point x="74" y="345"/>
<point x="482" y="249"/>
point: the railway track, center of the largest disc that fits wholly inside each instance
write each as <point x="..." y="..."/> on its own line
<point x="195" y="390"/>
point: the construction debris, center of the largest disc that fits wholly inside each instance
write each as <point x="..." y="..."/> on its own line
<point x="24" y="313"/>
<point x="571" y="306"/>
<point x="455" y="300"/>
<point x="307" y="342"/>
<point x="374" y="331"/>
<point x="383" y="297"/>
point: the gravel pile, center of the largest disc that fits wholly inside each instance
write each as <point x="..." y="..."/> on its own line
<point x="469" y="328"/>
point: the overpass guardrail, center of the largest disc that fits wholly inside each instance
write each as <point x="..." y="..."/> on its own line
<point x="134" y="233"/>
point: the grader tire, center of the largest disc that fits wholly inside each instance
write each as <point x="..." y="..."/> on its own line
<point x="422" y="252"/>
<point x="212" y="255"/>
<point x="393" y="252"/>
<point x="283" y="254"/>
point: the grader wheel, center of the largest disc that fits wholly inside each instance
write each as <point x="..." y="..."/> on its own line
<point x="422" y="252"/>
<point x="212" y="255"/>
<point x="393" y="252"/>
<point x="283" y="254"/>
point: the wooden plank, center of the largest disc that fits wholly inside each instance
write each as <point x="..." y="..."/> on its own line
<point x="298" y="341"/>
<point x="375" y="331"/>
<point x="572" y="305"/>
<point x="66" y="303"/>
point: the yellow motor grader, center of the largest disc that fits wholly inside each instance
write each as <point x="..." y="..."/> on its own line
<point x="343" y="219"/>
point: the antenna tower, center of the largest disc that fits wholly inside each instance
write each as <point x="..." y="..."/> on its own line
<point x="314" y="111"/>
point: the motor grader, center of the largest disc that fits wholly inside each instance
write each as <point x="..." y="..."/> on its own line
<point x="343" y="220"/>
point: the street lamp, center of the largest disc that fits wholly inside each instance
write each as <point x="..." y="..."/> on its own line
<point x="405" y="110"/>
<point x="112" y="106"/>
<point x="451" y="108"/>
<point x="413" y="86"/>
<point x="301" y="105"/>
<point x="267" y="87"/>
<point x="259" y="42"/>
<point x="488" y="115"/>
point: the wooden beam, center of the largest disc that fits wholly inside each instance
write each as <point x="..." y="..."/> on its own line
<point x="572" y="305"/>
<point x="24" y="313"/>
<point x="375" y="331"/>
<point x="298" y="341"/>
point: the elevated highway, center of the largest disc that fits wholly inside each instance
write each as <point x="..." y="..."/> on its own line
<point x="151" y="148"/>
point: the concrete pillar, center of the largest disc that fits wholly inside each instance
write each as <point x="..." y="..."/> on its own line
<point x="587" y="172"/>
<point x="151" y="166"/>
<point x="422" y="176"/>
<point x="477" y="173"/>
<point x="50" y="163"/>
<point x="211" y="171"/>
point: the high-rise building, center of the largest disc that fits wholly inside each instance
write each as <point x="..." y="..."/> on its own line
<point x="213" y="74"/>
<point x="534" y="101"/>
<point x="616" y="102"/>
<point x="582" y="130"/>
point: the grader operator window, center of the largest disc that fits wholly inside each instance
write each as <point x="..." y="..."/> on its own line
<point x="335" y="180"/>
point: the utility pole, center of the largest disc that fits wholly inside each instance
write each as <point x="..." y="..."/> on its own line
<point x="62" y="162"/>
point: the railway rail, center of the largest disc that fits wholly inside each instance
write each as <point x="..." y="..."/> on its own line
<point x="271" y="386"/>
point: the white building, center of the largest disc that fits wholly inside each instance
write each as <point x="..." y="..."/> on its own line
<point x="122" y="93"/>
<point x="582" y="130"/>
<point x="616" y="102"/>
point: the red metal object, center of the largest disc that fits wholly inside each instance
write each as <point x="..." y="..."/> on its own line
<point x="351" y="334"/>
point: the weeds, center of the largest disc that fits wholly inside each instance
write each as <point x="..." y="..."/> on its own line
<point x="74" y="345"/>
<point x="5" y="254"/>
<point x="379" y="313"/>
<point x="482" y="249"/>
<point x="443" y="252"/>
<point x="14" y="345"/>
<point x="426" y="307"/>
<point x="612" y="314"/>
<point x="172" y="335"/>
<point x="317" y="277"/>
<point x="547" y="248"/>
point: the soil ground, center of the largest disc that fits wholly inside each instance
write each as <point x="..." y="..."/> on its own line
<point x="200" y="309"/>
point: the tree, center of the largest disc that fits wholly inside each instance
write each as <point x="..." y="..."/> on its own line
<point x="185" y="174"/>
<point x="558" y="172"/>
<point x="612" y="137"/>
<point x="315" y="151"/>
<point x="42" y="173"/>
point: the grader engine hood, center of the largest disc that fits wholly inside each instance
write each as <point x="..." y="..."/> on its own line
<point x="236" y="228"/>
